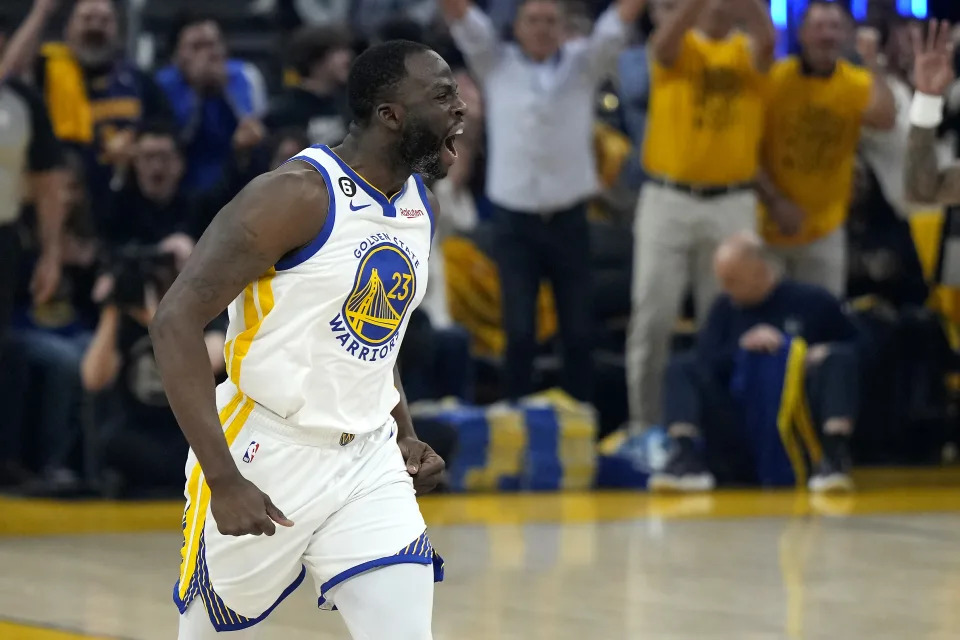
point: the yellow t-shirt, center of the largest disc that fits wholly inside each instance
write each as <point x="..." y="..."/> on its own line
<point x="706" y="113"/>
<point x="810" y="143"/>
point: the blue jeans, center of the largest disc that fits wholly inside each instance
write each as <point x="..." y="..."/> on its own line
<point x="52" y="363"/>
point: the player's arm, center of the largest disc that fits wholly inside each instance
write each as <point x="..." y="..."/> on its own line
<point x="275" y="214"/>
<point x="763" y="35"/>
<point x="926" y="182"/>
<point x="401" y="412"/>
<point x="423" y="464"/>
<point x="667" y="41"/>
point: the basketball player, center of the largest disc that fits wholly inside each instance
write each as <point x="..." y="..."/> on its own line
<point x="933" y="74"/>
<point x="323" y="259"/>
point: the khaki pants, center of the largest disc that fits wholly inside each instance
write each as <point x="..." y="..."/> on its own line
<point x="676" y="237"/>
<point x="822" y="262"/>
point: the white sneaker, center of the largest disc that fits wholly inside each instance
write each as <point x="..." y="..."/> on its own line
<point x="686" y="483"/>
<point x="835" y="482"/>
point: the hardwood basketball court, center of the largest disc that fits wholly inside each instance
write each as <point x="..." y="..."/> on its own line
<point x="883" y="563"/>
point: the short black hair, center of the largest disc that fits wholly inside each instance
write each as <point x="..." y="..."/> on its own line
<point x="375" y="75"/>
<point x="310" y="45"/>
<point x="161" y="129"/>
<point x="182" y="21"/>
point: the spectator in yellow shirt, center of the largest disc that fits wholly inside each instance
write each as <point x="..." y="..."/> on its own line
<point x="701" y="153"/>
<point x="817" y="105"/>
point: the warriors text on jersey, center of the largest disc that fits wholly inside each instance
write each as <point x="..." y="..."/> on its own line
<point x="314" y="340"/>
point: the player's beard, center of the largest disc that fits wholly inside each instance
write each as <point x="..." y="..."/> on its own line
<point x="420" y="149"/>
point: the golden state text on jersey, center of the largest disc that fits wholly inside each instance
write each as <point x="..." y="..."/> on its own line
<point x="315" y="339"/>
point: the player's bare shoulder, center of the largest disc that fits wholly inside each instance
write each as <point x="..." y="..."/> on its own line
<point x="276" y="214"/>
<point x="298" y="171"/>
<point x="279" y="211"/>
<point x="297" y="184"/>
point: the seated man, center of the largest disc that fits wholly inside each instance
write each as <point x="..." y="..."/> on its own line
<point x="757" y="313"/>
<point x="40" y="373"/>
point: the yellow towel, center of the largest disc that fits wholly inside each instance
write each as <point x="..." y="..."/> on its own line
<point x="797" y="431"/>
<point x="473" y="293"/>
<point x="66" y="95"/>
<point x="612" y="150"/>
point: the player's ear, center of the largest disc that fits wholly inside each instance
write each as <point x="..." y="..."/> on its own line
<point x="391" y="115"/>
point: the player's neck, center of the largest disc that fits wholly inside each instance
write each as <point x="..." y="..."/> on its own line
<point x="373" y="161"/>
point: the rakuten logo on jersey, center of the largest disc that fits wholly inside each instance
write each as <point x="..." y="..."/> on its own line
<point x="411" y="213"/>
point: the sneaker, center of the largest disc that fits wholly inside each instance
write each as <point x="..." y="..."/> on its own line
<point x="684" y="471"/>
<point x="833" y="473"/>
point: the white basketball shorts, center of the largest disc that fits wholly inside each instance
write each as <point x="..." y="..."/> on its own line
<point x="350" y="497"/>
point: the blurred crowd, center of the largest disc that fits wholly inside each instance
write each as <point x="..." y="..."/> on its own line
<point x="646" y="191"/>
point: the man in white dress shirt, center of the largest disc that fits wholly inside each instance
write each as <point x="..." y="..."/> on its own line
<point x="539" y="103"/>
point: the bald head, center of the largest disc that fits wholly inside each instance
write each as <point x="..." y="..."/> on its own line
<point x="740" y="247"/>
<point x="742" y="269"/>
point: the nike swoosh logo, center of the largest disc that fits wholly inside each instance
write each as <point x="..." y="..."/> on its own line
<point x="353" y="208"/>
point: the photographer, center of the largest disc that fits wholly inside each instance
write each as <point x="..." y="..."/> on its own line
<point x="141" y="445"/>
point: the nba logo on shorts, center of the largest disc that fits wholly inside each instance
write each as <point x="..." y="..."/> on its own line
<point x="251" y="451"/>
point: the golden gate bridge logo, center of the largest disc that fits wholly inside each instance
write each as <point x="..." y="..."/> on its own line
<point x="382" y="291"/>
<point x="371" y="306"/>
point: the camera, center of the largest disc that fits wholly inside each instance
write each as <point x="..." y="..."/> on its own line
<point x="134" y="268"/>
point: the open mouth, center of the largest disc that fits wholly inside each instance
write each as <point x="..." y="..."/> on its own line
<point x="450" y="142"/>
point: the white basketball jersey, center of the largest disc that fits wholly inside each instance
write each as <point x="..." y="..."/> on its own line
<point x="315" y="339"/>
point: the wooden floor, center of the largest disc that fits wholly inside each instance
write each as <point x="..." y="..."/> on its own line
<point x="884" y="563"/>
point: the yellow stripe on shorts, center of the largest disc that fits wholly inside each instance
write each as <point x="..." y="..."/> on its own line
<point x="199" y="493"/>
